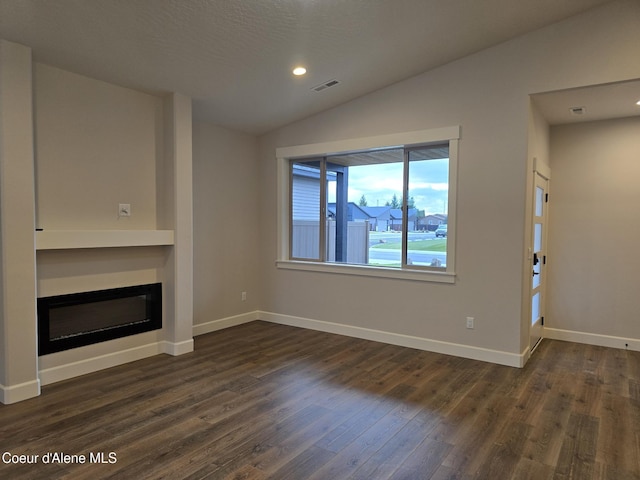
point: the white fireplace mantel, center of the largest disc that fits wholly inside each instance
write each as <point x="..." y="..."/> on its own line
<point x="72" y="239"/>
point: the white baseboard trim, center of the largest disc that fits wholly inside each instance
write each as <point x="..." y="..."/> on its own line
<point x="17" y="393"/>
<point x="437" y="346"/>
<point x="94" y="364"/>
<point x="592" y="339"/>
<point x="202" y="328"/>
<point x="63" y="372"/>
<point x="176" y="349"/>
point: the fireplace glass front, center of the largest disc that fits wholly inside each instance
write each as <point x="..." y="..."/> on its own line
<point x="78" y="319"/>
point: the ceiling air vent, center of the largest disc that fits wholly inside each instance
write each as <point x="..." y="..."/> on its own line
<point x="578" y="110"/>
<point x="325" y="85"/>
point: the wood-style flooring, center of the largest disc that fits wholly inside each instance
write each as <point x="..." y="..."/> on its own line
<point x="262" y="400"/>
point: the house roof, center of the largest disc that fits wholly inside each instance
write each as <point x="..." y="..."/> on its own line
<point x="439" y="216"/>
<point x="352" y="206"/>
<point x="374" y="212"/>
<point x="234" y="58"/>
<point x="397" y="213"/>
<point x="304" y="171"/>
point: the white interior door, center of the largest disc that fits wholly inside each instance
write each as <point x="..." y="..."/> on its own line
<point x="538" y="257"/>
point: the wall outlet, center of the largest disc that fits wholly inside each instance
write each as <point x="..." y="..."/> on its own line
<point x="470" y="323"/>
<point x="243" y="296"/>
<point x="124" y="210"/>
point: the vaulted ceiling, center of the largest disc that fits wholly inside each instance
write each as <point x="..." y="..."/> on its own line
<point x="234" y="57"/>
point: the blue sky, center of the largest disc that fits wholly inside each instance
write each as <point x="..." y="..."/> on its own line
<point x="428" y="184"/>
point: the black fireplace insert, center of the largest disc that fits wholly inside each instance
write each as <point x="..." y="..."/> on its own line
<point x="78" y="319"/>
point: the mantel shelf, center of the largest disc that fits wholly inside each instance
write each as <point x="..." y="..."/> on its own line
<point x="72" y="239"/>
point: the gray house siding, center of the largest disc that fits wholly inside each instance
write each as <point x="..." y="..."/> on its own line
<point x="306" y="198"/>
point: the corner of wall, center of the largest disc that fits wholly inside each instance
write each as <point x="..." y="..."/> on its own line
<point x="19" y="376"/>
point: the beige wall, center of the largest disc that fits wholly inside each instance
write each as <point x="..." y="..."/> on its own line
<point x="97" y="145"/>
<point x="226" y="223"/>
<point x="487" y="94"/>
<point x="538" y="137"/>
<point x="18" y="362"/>
<point x="595" y="228"/>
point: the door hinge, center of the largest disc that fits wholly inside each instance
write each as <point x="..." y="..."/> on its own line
<point x="541" y="320"/>
<point x="544" y="259"/>
<point x="546" y="198"/>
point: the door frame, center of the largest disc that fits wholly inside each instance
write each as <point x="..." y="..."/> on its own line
<point x="542" y="172"/>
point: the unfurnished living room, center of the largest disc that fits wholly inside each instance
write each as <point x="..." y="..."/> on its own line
<point x="319" y="239"/>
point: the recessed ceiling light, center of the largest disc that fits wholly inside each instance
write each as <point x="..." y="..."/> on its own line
<point x="299" y="71"/>
<point x="638" y="102"/>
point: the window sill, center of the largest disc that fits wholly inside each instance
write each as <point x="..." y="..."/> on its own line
<point x="366" y="271"/>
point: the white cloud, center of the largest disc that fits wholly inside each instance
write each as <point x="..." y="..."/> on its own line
<point x="428" y="184"/>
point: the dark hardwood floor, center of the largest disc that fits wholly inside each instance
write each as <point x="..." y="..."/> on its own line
<point x="262" y="401"/>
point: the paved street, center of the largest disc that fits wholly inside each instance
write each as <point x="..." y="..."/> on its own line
<point x="393" y="257"/>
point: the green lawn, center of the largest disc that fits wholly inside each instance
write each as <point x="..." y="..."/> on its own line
<point x="439" y="245"/>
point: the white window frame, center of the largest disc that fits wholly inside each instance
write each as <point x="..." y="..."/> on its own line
<point x="395" y="140"/>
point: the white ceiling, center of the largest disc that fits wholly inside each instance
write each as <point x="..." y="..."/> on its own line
<point x="234" y="57"/>
<point x="599" y="102"/>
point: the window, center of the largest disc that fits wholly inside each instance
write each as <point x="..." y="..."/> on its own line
<point x="372" y="209"/>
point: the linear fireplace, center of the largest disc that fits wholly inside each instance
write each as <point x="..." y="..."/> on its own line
<point x="77" y="319"/>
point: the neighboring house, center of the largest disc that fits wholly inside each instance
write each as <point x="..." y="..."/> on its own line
<point x="306" y="199"/>
<point x="396" y="219"/>
<point x="430" y="222"/>
<point x="355" y="212"/>
<point x="305" y="193"/>
<point x="380" y="218"/>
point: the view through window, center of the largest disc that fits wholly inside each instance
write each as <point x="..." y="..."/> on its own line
<point x="384" y="208"/>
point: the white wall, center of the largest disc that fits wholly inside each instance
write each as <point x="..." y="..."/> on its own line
<point x="487" y="95"/>
<point x="226" y="227"/>
<point x="595" y="229"/>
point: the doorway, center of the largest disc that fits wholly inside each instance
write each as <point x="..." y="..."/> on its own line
<point x="538" y="255"/>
